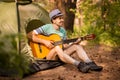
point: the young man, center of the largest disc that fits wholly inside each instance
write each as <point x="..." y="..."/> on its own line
<point x="63" y="54"/>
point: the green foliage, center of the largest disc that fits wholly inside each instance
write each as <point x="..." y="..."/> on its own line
<point x="11" y="63"/>
<point x="111" y="12"/>
<point x="102" y="18"/>
<point x="74" y="34"/>
<point x="109" y="39"/>
<point x="102" y="37"/>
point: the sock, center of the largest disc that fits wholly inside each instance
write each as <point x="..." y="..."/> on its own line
<point x="76" y="63"/>
<point x="87" y="61"/>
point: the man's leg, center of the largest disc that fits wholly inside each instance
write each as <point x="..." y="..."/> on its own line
<point x="67" y="59"/>
<point x="64" y="57"/>
<point x="82" y="55"/>
<point x="80" y="52"/>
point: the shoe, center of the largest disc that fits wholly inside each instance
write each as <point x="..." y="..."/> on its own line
<point x="83" y="67"/>
<point x="94" y="67"/>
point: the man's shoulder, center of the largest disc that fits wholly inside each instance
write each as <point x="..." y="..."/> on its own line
<point x="62" y="28"/>
<point x="48" y="24"/>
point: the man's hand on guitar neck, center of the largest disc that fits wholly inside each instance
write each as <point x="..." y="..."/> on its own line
<point x="77" y="41"/>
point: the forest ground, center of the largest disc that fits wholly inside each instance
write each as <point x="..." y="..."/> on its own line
<point x="105" y="56"/>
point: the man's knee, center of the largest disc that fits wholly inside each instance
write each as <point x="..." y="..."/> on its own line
<point x="57" y="47"/>
<point x="76" y="46"/>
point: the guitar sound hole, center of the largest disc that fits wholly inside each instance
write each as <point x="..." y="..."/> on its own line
<point x="40" y="48"/>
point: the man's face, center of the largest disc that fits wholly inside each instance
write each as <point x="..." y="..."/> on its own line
<point x="58" y="21"/>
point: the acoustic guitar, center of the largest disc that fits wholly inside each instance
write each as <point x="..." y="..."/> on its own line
<point x="41" y="51"/>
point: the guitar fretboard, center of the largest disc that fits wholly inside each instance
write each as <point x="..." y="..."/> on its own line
<point x="67" y="41"/>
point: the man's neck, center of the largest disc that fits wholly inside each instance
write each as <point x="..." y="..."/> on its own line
<point x="56" y="26"/>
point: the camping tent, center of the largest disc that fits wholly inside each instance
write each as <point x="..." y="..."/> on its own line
<point x="30" y="16"/>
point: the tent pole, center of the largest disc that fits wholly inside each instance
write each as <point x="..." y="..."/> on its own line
<point x="18" y="22"/>
<point x="20" y="2"/>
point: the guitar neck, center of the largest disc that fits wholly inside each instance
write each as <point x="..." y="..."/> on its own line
<point x="67" y="41"/>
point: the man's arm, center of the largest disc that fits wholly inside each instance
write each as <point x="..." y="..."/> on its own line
<point x="34" y="37"/>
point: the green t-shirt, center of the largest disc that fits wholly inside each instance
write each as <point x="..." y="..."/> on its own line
<point x="48" y="29"/>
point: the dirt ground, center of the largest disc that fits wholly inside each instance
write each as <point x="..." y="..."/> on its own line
<point x="103" y="55"/>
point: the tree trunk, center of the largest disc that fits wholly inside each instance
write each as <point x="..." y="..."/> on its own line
<point x="69" y="16"/>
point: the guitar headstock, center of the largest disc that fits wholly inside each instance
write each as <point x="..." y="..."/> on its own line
<point x="89" y="37"/>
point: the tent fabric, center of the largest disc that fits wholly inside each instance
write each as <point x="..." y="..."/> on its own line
<point x="31" y="16"/>
<point x="27" y="13"/>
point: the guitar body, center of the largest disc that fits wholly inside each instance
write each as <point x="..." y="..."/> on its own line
<point x="40" y="50"/>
